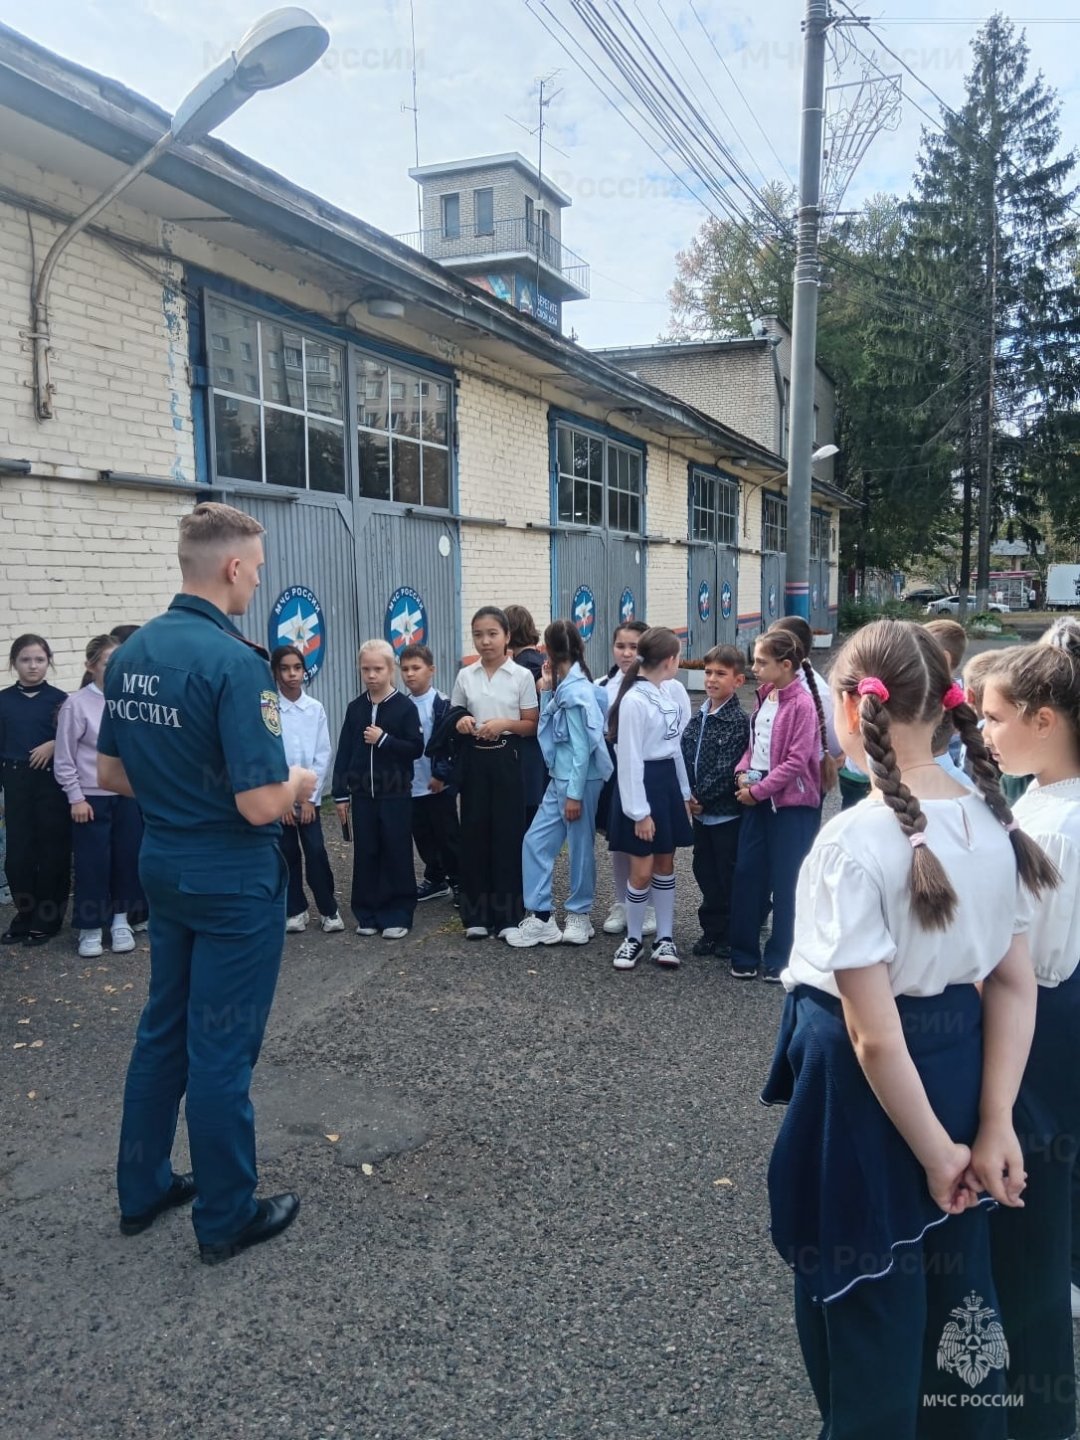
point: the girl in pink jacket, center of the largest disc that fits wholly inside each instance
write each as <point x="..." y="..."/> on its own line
<point x="779" y="782"/>
<point x="106" y="829"/>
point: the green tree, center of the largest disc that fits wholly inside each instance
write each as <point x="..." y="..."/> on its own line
<point x="731" y="272"/>
<point x="991" y="246"/>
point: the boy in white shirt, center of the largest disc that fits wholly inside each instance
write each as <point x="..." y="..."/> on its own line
<point x="305" y="733"/>
<point x="435" y="829"/>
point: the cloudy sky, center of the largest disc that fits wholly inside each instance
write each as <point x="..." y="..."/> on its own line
<point x="343" y="130"/>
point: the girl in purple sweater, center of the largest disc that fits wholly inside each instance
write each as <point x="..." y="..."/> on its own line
<point x="779" y="781"/>
<point x="106" y="828"/>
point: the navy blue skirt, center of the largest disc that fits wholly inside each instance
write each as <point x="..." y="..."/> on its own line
<point x="846" y="1194"/>
<point x="667" y="808"/>
<point x="603" y="805"/>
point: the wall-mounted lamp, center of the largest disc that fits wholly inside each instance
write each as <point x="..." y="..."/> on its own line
<point x="385" y="309"/>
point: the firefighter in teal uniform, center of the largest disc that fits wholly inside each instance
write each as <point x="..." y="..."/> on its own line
<point x="192" y="729"/>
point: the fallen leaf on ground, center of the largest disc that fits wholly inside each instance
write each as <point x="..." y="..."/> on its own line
<point x="22" y="1022"/>
<point x="31" y="1094"/>
<point x="367" y="1169"/>
<point x="36" y="1044"/>
<point x="19" y="1045"/>
<point x="724" y="1181"/>
<point x="333" y="1139"/>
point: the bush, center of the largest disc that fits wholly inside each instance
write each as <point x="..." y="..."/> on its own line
<point x="853" y="614"/>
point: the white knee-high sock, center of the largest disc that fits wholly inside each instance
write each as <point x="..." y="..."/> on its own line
<point x="620" y="875"/>
<point x="635" y="911"/>
<point x="663" y="899"/>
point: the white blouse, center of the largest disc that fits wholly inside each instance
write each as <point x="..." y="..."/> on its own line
<point x="505" y="695"/>
<point x="651" y="720"/>
<point x="1050" y="814"/>
<point x="762" y="727"/>
<point x="853" y="907"/>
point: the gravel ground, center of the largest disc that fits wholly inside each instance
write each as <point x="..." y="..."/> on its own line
<point x="533" y="1205"/>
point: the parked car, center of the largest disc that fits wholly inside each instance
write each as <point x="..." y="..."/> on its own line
<point x="921" y="597"/>
<point x="950" y="605"/>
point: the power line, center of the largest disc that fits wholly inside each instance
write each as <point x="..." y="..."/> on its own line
<point x="739" y="91"/>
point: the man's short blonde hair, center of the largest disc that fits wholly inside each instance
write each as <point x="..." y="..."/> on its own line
<point x="210" y="529"/>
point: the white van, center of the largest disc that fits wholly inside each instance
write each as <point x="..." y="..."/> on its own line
<point x="1063" y="587"/>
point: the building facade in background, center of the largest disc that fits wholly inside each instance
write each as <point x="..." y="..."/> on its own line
<point x="415" y="445"/>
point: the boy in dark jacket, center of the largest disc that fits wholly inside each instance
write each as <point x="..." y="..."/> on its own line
<point x="373" y="773"/>
<point x="712" y="745"/>
<point x="435" y="829"/>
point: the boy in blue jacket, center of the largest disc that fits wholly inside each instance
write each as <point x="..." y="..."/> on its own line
<point x="435" y="828"/>
<point x="373" y="773"/>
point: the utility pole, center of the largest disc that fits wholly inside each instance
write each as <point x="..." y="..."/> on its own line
<point x="804" y="313"/>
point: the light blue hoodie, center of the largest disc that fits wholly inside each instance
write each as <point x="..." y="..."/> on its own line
<point x="571" y="732"/>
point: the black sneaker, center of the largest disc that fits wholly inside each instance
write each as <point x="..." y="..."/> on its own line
<point x="628" y="954"/>
<point x="431" y="890"/>
<point x="665" y="954"/>
<point x="457" y="896"/>
<point x="706" y="945"/>
<point x="744" y="972"/>
<point x="771" y="977"/>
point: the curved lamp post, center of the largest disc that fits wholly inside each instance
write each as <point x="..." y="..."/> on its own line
<point x="823" y="452"/>
<point x="277" y="48"/>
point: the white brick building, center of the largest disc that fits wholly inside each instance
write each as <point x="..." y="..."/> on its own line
<point x="413" y="445"/>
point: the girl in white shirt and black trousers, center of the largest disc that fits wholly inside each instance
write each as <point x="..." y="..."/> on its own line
<point x="305" y="734"/>
<point x="500" y="697"/>
<point x="899" y="1077"/>
<point x="650" y="816"/>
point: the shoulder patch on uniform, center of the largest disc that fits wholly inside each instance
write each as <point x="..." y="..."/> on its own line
<point x="271" y="711"/>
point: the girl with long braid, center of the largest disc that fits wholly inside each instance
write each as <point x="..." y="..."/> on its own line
<point x="1031" y="704"/>
<point x="899" y="1078"/>
<point x="778" y="780"/>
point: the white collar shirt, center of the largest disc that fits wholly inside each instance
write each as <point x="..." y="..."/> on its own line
<point x="306" y="736"/>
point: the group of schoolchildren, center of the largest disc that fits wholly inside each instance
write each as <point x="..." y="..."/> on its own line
<point x="927" y="937"/>
<point x="54" y="808"/>
<point x="540" y="756"/>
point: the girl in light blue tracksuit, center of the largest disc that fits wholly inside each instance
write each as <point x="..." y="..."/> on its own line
<point x="571" y="735"/>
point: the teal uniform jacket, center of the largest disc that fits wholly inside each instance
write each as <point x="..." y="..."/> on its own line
<point x="191" y="709"/>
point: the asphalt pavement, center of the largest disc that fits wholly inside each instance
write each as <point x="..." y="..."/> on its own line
<point x="533" y="1204"/>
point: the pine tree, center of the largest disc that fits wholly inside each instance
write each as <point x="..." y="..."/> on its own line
<point x="990" y="244"/>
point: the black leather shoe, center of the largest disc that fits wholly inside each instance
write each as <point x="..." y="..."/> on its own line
<point x="13" y="937"/>
<point x="271" y="1218"/>
<point x="181" y="1192"/>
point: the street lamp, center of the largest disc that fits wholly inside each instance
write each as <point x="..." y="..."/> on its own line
<point x="277" y="48"/>
<point x="823" y="452"/>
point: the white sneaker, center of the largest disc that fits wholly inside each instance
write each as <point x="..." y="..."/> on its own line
<point x="330" y="923"/>
<point x="295" y="923"/>
<point x="615" y="923"/>
<point x="122" y="939"/>
<point x="366" y="930"/>
<point x="89" y="944"/>
<point x="395" y="932"/>
<point x="648" y="925"/>
<point x="142" y="925"/>
<point x="577" y="930"/>
<point x="1076" y="1302"/>
<point x="664" y="953"/>
<point x="533" y="931"/>
<point x="476" y="932"/>
<point x="628" y="954"/>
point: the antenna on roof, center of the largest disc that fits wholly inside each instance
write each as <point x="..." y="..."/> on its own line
<point x="415" y="108"/>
